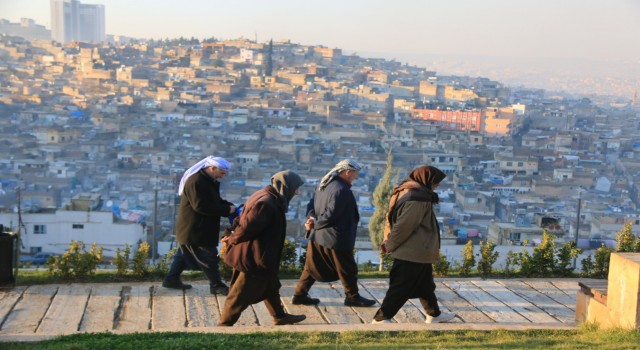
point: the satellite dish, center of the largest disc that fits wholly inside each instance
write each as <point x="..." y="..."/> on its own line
<point x="109" y="203"/>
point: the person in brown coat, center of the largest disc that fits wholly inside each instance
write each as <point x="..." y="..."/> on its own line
<point x="255" y="250"/>
<point x="412" y="236"/>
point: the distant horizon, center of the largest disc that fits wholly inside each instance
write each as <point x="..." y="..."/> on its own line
<point x="499" y="39"/>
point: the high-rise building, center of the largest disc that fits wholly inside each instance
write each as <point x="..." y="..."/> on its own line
<point x="73" y="21"/>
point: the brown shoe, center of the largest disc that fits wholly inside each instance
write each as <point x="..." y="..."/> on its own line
<point x="288" y="319"/>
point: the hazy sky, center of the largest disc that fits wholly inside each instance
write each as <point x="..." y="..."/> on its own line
<point x="582" y="46"/>
<point x="595" y="29"/>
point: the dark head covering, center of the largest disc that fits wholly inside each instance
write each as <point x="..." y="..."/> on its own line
<point x="427" y="176"/>
<point x="286" y="183"/>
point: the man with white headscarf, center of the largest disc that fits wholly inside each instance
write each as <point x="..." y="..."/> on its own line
<point x="198" y="224"/>
<point x="333" y="214"/>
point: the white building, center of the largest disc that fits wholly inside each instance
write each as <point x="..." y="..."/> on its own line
<point x="53" y="231"/>
<point x="73" y="21"/>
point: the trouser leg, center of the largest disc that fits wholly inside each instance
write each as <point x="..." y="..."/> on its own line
<point x="304" y="283"/>
<point x="235" y="302"/>
<point x="429" y="300"/>
<point x="401" y="283"/>
<point x="207" y="259"/>
<point x="274" y="304"/>
<point x="347" y="269"/>
<point x="177" y="266"/>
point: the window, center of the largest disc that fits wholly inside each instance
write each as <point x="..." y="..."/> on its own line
<point x="39" y="229"/>
<point x="77" y="226"/>
<point x="514" y="236"/>
<point x="509" y="163"/>
<point x="520" y="164"/>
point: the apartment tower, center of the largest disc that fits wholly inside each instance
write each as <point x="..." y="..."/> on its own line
<point x="74" y="21"/>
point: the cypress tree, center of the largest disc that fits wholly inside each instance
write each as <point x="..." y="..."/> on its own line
<point x="381" y="196"/>
<point x="268" y="70"/>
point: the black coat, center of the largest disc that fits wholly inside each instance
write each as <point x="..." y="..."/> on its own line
<point x="336" y="214"/>
<point x="255" y="245"/>
<point x="200" y="210"/>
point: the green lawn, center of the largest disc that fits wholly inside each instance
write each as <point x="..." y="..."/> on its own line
<point x="583" y="338"/>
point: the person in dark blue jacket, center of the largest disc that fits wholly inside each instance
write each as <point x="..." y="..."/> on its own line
<point x="333" y="215"/>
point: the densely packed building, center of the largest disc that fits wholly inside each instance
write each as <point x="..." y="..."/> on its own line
<point x="121" y="122"/>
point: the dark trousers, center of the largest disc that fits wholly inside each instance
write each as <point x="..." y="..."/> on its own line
<point x="195" y="258"/>
<point x="409" y="280"/>
<point x="326" y="265"/>
<point x="251" y="289"/>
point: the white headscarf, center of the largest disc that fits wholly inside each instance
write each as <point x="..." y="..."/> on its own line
<point x="210" y="161"/>
<point x="343" y="165"/>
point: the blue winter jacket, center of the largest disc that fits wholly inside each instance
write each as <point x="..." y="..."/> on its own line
<point x="336" y="215"/>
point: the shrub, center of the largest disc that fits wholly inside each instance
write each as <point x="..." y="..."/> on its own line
<point x="625" y="240"/>
<point x="563" y="264"/>
<point x="367" y="266"/>
<point x="138" y="265"/>
<point x="587" y="265"/>
<point x="121" y="260"/>
<point x="162" y="266"/>
<point x="488" y="257"/>
<point x="510" y="262"/>
<point x="76" y="262"/>
<point x="302" y="259"/>
<point x="442" y="266"/>
<point x="601" y="264"/>
<point x="468" y="259"/>
<point x="542" y="258"/>
<point x="524" y="260"/>
<point x="288" y="259"/>
<point x="387" y="261"/>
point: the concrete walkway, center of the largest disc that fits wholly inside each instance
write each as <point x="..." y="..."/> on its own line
<point x="44" y="311"/>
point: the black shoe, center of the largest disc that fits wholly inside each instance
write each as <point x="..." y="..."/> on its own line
<point x="288" y="319"/>
<point x="219" y="289"/>
<point x="175" y="284"/>
<point x="358" y="301"/>
<point x="304" y="300"/>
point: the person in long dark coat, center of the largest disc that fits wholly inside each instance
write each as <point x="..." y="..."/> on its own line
<point x="255" y="250"/>
<point x="333" y="215"/>
<point x="198" y="225"/>
<point x="412" y="236"/>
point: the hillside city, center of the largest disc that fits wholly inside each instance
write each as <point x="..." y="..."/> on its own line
<point x="96" y="136"/>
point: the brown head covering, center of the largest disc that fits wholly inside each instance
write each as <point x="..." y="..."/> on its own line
<point x="427" y="176"/>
